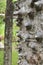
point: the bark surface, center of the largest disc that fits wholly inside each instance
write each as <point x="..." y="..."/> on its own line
<point x="8" y="33"/>
<point x="30" y="35"/>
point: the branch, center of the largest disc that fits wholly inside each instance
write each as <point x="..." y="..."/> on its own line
<point x="2" y="14"/>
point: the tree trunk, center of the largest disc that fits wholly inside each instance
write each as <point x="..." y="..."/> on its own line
<point x="30" y="35"/>
<point x="8" y="33"/>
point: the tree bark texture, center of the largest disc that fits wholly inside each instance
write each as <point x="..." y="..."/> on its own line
<point x="8" y="33"/>
<point x="30" y="35"/>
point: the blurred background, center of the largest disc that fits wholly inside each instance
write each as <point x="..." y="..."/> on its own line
<point x="2" y="28"/>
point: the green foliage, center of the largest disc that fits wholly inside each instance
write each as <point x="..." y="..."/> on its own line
<point x="2" y="6"/>
<point x="14" y="57"/>
<point x="1" y="57"/>
<point x="2" y="25"/>
<point x="15" y="0"/>
<point x="15" y="28"/>
<point x="1" y="20"/>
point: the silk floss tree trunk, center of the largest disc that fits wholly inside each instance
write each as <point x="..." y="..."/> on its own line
<point x="8" y="33"/>
<point x="30" y="35"/>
